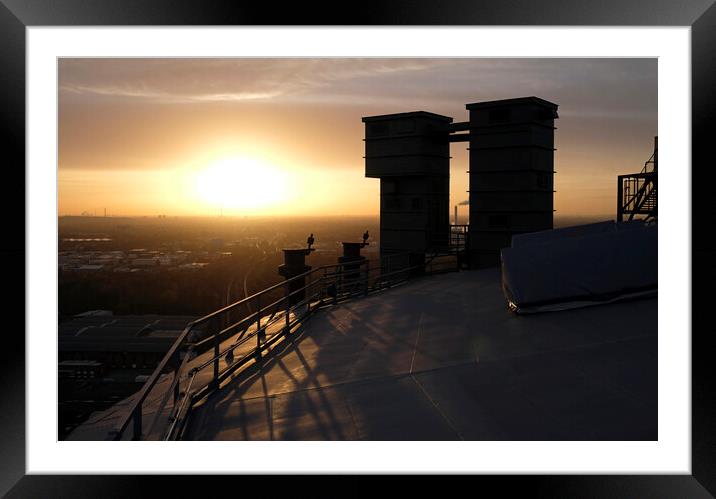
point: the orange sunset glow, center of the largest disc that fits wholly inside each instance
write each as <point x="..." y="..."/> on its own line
<point x="258" y="137"/>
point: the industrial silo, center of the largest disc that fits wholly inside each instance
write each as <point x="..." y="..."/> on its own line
<point x="511" y="173"/>
<point x="410" y="154"/>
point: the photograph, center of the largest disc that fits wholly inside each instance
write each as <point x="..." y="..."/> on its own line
<point x="357" y="249"/>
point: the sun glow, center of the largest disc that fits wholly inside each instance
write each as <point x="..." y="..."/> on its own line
<point x="240" y="183"/>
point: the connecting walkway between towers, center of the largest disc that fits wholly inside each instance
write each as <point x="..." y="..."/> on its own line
<point x="636" y="192"/>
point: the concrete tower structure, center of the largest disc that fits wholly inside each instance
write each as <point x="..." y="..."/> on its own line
<point x="410" y="154"/>
<point x="511" y="173"/>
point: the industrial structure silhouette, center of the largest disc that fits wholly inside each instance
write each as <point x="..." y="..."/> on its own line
<point x="511" y="144"/>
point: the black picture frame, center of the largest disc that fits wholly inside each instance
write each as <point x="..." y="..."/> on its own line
<point x="17" y="15"/>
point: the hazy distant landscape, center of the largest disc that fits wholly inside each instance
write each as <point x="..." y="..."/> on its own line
<point x="191" y="266"/>
<point x="186" y="266"/>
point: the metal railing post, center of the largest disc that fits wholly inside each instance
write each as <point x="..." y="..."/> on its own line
<point x="259" y="333"/>
<point x="177" y="365"/>
<point x="307" y="292"/>
<point x="137" y="419"/>
<point x="288" y="305"/>
<point x="214" y="329"/>
<point x="338" y="281"/>
<point x="367" y="277"/>
<point x="620" y="198"/>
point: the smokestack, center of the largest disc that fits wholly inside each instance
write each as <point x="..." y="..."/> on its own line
<point x="455" y="215"/>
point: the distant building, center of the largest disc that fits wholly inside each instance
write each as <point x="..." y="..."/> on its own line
<point x="90" y="268"/>
<point x="80" y="369"/>
<point x="193" y="266"/>
<point x="145" y="262"/>
<point x="216" y="244"/>
<point x="95" y="313"/>
<point x="102" y="357"/>
<point x="129" y="341"/>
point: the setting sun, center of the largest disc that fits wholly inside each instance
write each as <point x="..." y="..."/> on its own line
<point x="240" y="183"/>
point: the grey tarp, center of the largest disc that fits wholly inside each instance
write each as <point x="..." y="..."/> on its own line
<point x="575" y="267"/>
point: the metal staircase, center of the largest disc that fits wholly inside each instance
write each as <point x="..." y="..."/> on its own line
<point x="458" y="244"/>
<point x="637" y="192"/>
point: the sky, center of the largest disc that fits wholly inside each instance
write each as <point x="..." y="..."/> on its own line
<point x="257" y="137"/>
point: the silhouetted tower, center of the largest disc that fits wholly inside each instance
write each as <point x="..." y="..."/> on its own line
<point x="511" y="173"/>
<point x="410" y="153"/>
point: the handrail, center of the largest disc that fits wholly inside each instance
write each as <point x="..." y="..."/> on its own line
<point x="347" y="279"/>
<point x="149" y="384"/>
<point x="234" y="305"/>
<point x="173" y="420"/>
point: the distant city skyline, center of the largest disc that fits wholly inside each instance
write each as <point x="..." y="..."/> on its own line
<point x="256" y="137"/>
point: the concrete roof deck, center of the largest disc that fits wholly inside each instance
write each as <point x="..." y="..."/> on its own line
<point x="442" y="358"/>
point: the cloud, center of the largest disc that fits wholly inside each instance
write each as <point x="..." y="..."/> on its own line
<point x="598" y="89"/>
<point x="165" y="96"/>
<point x="219" y="80"/>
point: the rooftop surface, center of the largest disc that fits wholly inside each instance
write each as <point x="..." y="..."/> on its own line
<point x="442" y="358"/>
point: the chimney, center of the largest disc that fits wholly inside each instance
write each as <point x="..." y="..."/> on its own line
<point x="294" y="264"/>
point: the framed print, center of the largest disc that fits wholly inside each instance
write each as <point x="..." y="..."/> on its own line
<point x="429" y="235"/>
